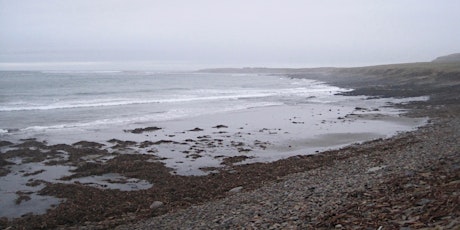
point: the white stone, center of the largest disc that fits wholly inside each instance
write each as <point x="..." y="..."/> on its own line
<point x="156" y="204"/>
<point x="236" y="189"/>
<point x="375" y="169"/>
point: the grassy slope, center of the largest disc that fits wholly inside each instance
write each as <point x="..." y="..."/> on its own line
<point x="439" y="80"/>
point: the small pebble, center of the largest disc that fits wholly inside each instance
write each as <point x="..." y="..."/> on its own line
<point x="156" y="204"/>
<point x="236" y="189"/>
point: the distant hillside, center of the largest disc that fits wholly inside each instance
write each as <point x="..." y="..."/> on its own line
<point x="439" y="80"/>
<point x="448" y="58"/>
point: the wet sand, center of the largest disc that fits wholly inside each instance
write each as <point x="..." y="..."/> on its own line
<point x="407" y="182"/>
<point x="192" y="147"/>
<point x="97" y="207"/>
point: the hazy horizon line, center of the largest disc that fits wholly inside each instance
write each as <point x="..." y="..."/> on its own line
<point x="155" y="65"/>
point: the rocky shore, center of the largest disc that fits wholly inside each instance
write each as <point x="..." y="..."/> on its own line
<point x="409" y="181"/>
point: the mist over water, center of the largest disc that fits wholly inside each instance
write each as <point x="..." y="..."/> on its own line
<point x="142" y="34"/>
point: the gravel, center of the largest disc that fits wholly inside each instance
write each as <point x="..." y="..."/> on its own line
<point x="373" y="188"/>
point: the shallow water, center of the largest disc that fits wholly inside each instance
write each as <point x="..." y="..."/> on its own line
<point x="19" y="182"/>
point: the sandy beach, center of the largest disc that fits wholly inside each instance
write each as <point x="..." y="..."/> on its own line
<point x="409" y="180"/>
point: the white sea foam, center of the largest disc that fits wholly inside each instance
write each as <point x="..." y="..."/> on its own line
<point x="194" y="95"/>
<point x="156" y="117"/>
<point x="41" y="101"/>
<point x="76" y="104"/>
<point x="81" y="71"/>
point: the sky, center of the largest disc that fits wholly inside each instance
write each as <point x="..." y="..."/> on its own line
<point x="175" y="34"/>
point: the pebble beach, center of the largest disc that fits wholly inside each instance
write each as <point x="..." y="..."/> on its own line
<point x="410" y="181"/>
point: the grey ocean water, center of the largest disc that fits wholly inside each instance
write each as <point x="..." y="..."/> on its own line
<point x="42" y="101"/>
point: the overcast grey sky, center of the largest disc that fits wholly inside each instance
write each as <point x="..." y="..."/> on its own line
<point x="176" y="33"/>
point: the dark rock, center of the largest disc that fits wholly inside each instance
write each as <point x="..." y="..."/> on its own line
<point x="87" y="144"/>
<point x="5" y="143"/>
<point x="196" y="130"/>
<point x="142" y="130"/>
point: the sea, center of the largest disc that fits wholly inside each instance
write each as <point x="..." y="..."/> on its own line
<point x="38" y="102"/>
<point x="200" y="119"/>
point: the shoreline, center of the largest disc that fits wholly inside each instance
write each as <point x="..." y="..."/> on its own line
<point x="178" y="192"/>
<point x="398" y="182"/>
<point x="407" y="181"/>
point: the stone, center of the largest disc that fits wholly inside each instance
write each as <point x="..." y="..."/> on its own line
<point x="236" y="189"/>
<point x="156" y="204"/>
<point x="423" y="202"/>
<point x="196" y="130"/>
<point x="375" y="169"/>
